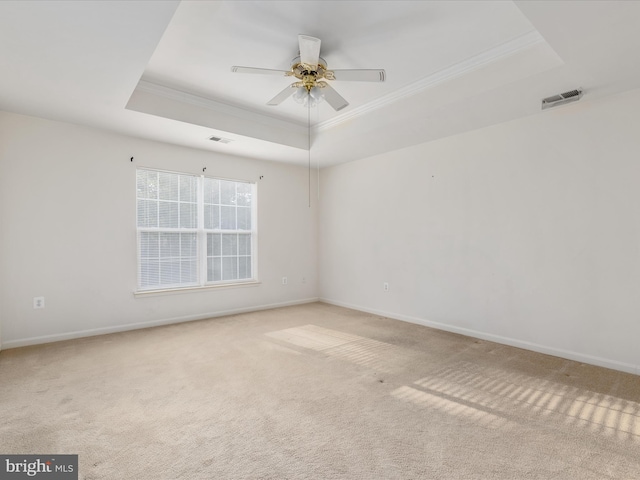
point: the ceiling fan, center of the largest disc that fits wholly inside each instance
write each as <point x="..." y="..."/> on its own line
<point x="311" y="71"/>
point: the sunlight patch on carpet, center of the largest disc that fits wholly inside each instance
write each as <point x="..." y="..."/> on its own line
<point x="314" y="337"/>
<point x="468" y="412"/>
<point x="366" y="352"/>
<point x="501" y="392"/>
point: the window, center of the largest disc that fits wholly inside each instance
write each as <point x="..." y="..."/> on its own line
<point x="193" y="230"/>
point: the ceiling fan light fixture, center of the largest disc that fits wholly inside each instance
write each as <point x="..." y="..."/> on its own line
<point x="316" y="95"/>
<point x="312" y="97"/>
<point x="300" y="95"/>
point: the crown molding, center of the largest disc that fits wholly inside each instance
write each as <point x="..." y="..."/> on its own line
<point x="466" y="66"/>
<point x="220" y="107"/>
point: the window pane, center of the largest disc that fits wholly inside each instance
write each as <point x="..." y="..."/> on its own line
<point x="168" y="214"/>
<point x="188" y="189"/>
<point x="229" y="268"/>
<point x="229" y="244"/>
<point x="189" y="271"/>
<point x="170" y="273"/>
<point x="244" y="244"/>
<point x="168" y="186"/>
<point x="227" y="192"/>
<point x="244" y="218"/>
<point x="141" y="184"/>
<point x="149" y="273"/>
<point x="188" y="245"/>
<point x="188" y="215"/>
<point x="243" y="194"/>
<point x="147" y="213"/>
<point x="212" y="217"/>
<point x="214" y="245"/>
<point x="228" y="218"/>
<point x="244" y="267"/>
<point x="169" y="245"/>
<point x="214" y="269"/>
<point x="211" y="191"/>
<point x="147" y="184"/>
<point x="149" y="246"/>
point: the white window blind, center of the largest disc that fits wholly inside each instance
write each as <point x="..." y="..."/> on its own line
<point x="193" y="230"/>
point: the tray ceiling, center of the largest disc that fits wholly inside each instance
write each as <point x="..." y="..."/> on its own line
<point x="162" y="70"/>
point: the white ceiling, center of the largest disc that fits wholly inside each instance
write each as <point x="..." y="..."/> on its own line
<point x="162" y="69"/>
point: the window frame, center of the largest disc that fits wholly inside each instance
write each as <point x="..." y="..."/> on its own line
<point x="201" y="232"/>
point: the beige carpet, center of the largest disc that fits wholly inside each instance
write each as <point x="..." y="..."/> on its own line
<point x="316" y="392"/>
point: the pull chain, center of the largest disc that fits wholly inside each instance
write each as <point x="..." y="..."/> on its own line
<point x="309" y="141"/>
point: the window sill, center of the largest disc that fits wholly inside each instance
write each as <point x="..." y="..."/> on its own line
<point x="172" y="291"/>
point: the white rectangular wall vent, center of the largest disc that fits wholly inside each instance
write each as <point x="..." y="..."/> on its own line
<point x="219" y="139"/>
<point x="562" y="98"/>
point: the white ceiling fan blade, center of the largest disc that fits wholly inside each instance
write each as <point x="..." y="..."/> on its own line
<point x="262" y="71"/>
<point x="333" y="98"/>
<point x="282" y="96"/>
<point x="360" y="75"/>
<point x="309" y="50"/>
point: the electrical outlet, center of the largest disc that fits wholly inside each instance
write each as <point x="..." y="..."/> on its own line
<point x="385" y="286"/>
<point x="284" y="280"/>
<point x="38" y="302"/>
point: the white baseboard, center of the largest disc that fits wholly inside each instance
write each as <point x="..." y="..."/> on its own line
<point x="24" y="342"/>
<point x="556" y="352"/>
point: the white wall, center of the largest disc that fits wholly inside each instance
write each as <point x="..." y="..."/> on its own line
<point x="527" y="233"/>
<point x="67" y="212"/>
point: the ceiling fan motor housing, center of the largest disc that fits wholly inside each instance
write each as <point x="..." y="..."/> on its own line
<point x="299" y="69"/>
<point x="309" y="81"/>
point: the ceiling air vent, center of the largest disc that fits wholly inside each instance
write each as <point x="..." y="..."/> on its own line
<point x="562" y="98"/>
<point x="219" y="139"/>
